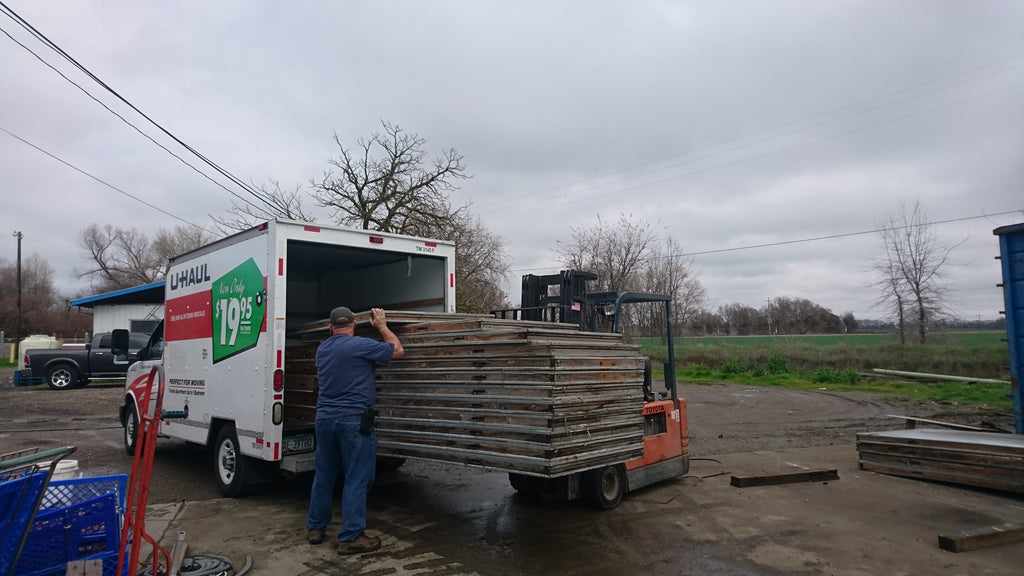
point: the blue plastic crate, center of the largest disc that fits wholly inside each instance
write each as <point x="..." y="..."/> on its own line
<point x="18" y="499"/>
<point x="109" y="560"/>
<point x="82" y="531"/>
<point x="77" y="519"/>
<point x="25" y="378"/>
<point x="62" y="493"/>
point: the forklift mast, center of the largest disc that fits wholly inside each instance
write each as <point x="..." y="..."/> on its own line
<point x="572" y="304"/>
<point x="564" y="306"/>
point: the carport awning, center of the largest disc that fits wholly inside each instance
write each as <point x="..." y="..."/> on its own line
<point x="146" y="294"/>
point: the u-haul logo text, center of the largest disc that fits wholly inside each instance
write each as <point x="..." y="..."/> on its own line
<point x="189" y="277"/>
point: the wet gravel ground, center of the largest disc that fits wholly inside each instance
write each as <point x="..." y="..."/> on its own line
<point x="723" y="419"/>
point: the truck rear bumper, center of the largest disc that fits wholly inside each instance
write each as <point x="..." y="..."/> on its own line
<point x="299" y="463"/>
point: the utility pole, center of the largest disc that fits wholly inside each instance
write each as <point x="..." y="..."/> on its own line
<point x="17" y="326"/>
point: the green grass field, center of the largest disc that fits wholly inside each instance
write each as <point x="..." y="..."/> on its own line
<point x="846" y="362"/>
<point x="843" y="363"/>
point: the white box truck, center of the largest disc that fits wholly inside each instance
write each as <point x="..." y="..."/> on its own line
<point x="220" y="352"/>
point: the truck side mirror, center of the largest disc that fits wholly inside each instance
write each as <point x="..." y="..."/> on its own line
<point x="119" y="346"/>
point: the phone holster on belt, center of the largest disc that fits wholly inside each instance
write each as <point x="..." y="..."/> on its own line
<point x="366" y="423"/>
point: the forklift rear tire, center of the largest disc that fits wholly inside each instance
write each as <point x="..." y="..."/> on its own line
<point x="605" y="486"/>
<point x="229" y="464"/>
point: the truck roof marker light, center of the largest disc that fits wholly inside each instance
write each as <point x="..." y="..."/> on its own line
<point x="263" y="226"/>
<point x="376" y="239"/>
<point x="278" y="380"/>
<point x="311" y="228"/>
<point x="430" y="244"/>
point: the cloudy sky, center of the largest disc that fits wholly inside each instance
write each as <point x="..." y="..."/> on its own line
<point x="768" y="138"/>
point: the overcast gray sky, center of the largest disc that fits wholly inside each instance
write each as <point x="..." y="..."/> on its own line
<point x="726" y="125"/>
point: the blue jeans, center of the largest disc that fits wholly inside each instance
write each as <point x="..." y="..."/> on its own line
<point x="341" y="448"/>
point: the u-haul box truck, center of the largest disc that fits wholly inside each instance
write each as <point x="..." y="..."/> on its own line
<point x="220" y="352"/>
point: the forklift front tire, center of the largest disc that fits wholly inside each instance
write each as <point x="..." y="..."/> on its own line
<point x="605" y="486"/>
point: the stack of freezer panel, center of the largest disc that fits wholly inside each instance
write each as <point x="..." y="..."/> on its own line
<point x="980" y="459"/>
<point x="528" y="397"/>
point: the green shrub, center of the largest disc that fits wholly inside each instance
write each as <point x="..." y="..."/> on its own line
<point x="826" y="375"/>
<point x="830" y="375"/>
<point x="777" y="364"/>
<point x="732" y="366"/>
<point x="701" y="371"/>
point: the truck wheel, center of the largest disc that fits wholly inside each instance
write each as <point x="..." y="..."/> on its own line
<point x="228" y="462"/>
<point x="605" y="486"/>
<point x="131" y="428"/>
<point x="62" y="377"/>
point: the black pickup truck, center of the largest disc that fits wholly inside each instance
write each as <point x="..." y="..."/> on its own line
<point x="63" y="368"/>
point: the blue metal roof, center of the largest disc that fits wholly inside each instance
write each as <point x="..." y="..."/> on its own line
<point x="145" y="294"/>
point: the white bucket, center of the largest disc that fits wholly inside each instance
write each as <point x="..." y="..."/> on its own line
<point x="65" y="470"/>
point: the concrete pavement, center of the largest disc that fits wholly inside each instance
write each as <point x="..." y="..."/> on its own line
<point x="437" y="519"/>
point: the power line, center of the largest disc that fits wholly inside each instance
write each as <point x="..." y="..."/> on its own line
<point x="904" y="95"/>
<point x="848" y="234"/>
<point x="103" y="182"/>
<point x="53" y="46"/>
<point x="802" y="240"/>
<point x="566" y="200"/>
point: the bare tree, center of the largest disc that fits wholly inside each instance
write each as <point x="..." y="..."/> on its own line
<point x="893" y="298"/>
<point x="616" y="253"/>
<point x="740" y="319"/>
<point x="669" y="272"/>
<point x="386" y="183"/>
<point x="481" y="263"/>
<point x="628" y="256"/>
<point x="800" y="316"/>
<point x="38" y="297"/>
<point x="909" y="269"/>
<point x="271" y="202"/>
<point x="123" y="258"/>
<point x="706" y="322"/>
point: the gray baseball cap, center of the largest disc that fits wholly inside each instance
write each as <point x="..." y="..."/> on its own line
<point x="341" y="316"/>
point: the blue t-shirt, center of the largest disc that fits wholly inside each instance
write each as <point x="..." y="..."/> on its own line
<point x="345" y="366"/>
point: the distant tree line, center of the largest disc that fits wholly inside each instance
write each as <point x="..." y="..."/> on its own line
<point x="43" y="310"/>
<point x="780" y="316"/>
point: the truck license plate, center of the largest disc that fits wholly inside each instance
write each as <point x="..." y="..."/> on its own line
<point x="298" y="443"/>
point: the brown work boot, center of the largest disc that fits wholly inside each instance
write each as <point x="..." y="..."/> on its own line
<point x="362" y="543"/>
<point x="315" y="536"/>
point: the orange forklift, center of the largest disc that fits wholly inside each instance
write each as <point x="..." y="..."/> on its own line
<point x="666" y="453"/>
